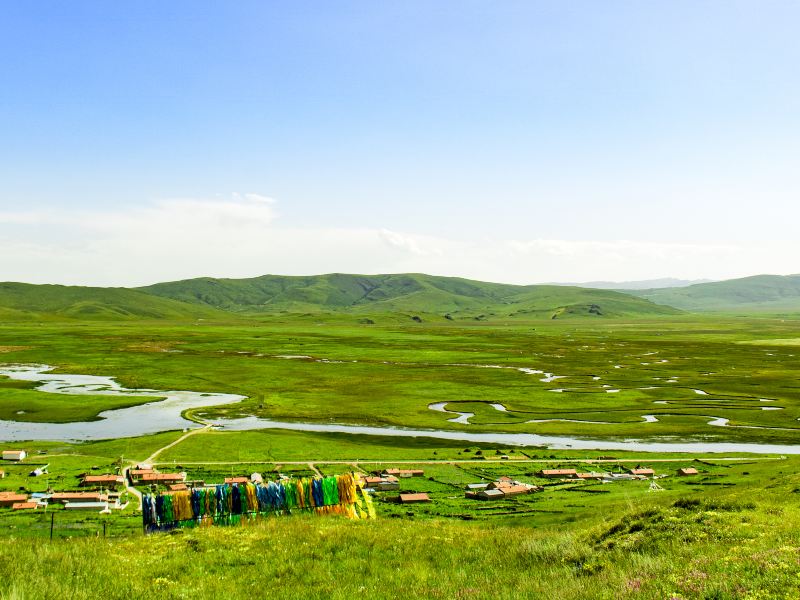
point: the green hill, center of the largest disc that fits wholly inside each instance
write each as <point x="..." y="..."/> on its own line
<point x="456" y="297"/>
<point x="22" y="301"/>
<point x="757" y="293"/>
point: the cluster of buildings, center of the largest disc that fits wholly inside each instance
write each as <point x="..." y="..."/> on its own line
<point x="100" y="495"/>
<point x="102" y="502"/>
<point x="388" y="480"/>
<point x="634" y="473"/>
<point x="147" y="475"/>
<point x="503" y="487"/>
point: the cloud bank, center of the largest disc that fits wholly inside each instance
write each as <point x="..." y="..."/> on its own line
<point x="242" y="237"/>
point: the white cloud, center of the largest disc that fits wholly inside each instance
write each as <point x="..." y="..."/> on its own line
<point x="241" y="237"/>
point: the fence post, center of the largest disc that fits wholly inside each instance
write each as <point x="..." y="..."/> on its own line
<point x="104" y="529"/>
<point x="52" y="522"/>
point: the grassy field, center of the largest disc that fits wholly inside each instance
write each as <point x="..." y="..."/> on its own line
<point x="728" y="543"/>
<point x="594" y="540"/>
<point x="610" y="374"/>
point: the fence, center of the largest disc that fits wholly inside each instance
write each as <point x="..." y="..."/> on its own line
<point x="59" y="523"/>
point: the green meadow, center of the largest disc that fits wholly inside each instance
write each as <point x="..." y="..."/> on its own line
<point x="597" y="378"/>
<point x="683" y="371"/>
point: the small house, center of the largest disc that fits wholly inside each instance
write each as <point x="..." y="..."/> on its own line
<point x="15" y="455"/>
<point x="77" y="497"/>
<point x="177" y="487"/>
<point x="404" y="472"/>
<point x="232" y="480"/>
<point x="642" y="472"/>
<point x="24" y="506"/>
<point x="414" y="498"/>
<point x="98" y="506"/>
<point x="686" y="471"/>
<point x="164" y="478"/>
<point x="383" y="484"/>
<point x="474" y="487"/>
<point x="592" y="475"/>
<point x="515" y="490"/>
<point x="557" y="473"/>
<point x="109" y="481"/>
<point x="10" y="498"/>
<point x="490" y="495"/>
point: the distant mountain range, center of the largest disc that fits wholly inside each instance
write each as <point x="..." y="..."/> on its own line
<point x="646" y="284"/>
<point x="407" y="296"/>
<point x="775" y="293"/>
<point x="412" y="292"/>
<point x="413" y="296"/>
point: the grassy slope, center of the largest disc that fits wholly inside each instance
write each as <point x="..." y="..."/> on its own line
<point x="23" y="301"/>
<point x="731" y="544"/>
<point x="761" y="292"/>
<point x="404" y="292"/>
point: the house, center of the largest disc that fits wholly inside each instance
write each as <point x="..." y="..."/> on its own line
<point x="511" y="488"/>
<point x="98" y="506"/>
<point x="164" y="478"/>
<point x="414" y="498"/>
<point x="15" y="455"/>
<point x="110" y="481"/>
<point x="642" y="472"/>
<point x="685" y="471"/>
<point x="557" y="473"/>
<point x="232" y="480"/>
<point x="383" y="484"/>
<point x="177" y="487"/>
<point x="515" y="490"/>
<point x="591" y="475"/>
<point x="64" y="497"/>
<point x="490" y="495"/>
<point x="10" y="498"/>
<point x="135" y="475"/>
<point x="24" y="506"/>
<point x="474" y="487"/>
<point x="404" y="472"/>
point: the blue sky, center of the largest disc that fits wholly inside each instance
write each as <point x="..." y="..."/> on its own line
<point x="513" y="141"/>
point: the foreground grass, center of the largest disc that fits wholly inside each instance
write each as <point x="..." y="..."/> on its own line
<point x="688" y="549"/>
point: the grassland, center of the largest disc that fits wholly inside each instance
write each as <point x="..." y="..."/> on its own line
<point x="572" y="540"/>
<point x="741" y="541"/>
<point x="347" y="372"/>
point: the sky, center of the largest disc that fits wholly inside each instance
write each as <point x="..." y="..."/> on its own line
<point x="517" y="142"/>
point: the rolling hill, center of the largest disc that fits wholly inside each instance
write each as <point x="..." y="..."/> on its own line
<point x="456" y="297"/>
<point x="22" y="301"/>
<point x="757" y="293"/>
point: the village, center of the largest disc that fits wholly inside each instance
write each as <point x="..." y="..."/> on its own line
<point x="111" y="492"/>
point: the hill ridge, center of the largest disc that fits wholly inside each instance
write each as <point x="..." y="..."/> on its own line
<point x="456" y="297"/>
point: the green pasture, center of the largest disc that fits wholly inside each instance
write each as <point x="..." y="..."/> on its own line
<point x="388" y="375"/>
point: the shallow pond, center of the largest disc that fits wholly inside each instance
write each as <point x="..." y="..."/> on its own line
<point x="144" y="419"/>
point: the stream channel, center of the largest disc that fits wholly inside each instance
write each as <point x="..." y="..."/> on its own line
<point x="166" y="415"/>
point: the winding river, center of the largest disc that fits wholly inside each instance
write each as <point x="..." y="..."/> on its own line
<point x="164" y="412"/>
